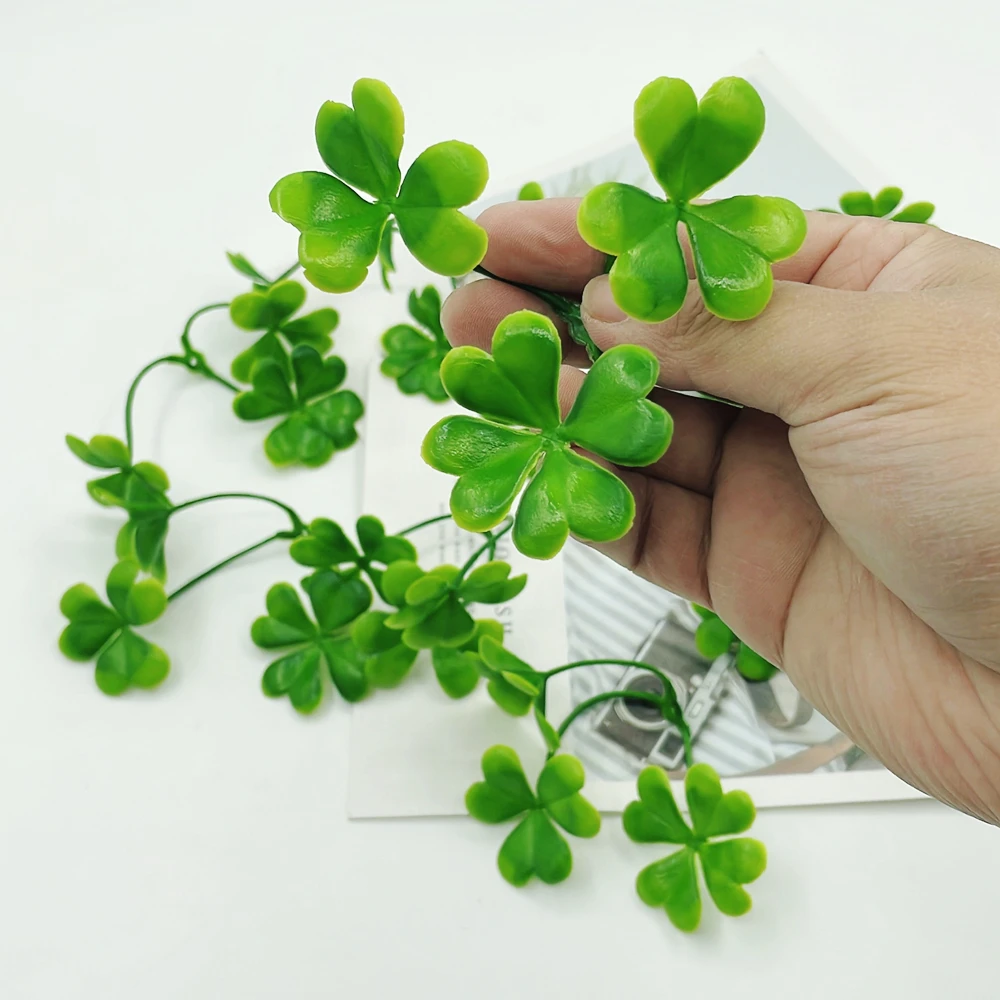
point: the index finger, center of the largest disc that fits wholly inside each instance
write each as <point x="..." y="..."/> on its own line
<point x="537" y="243"/>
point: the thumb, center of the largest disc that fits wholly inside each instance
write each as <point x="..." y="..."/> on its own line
<point x="813" y="352"/>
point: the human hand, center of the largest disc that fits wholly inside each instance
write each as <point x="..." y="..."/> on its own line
<point x="846" y="522"/>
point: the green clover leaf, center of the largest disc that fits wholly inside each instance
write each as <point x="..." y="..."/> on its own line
<point x="95" y="630"/>
<point x="494" y="458"/>
<point x="535" y="847"/>
<point x="714" y="638"/>
<point x="140" y="490"/>
<point x="244" y="267"/>
<point x="431" y="605"/>
<point x="884" y="204"/>
<point x="326" y="546"/>
<point x="727" y="865"/>
<point x="342" y="233"/>
<point x="532" y="191"/>
<point x="388" y="658"/>
<point x="458" y="669"/>
<point x="411" y="357"/>
<point x="512" y="684"/>
<point x="337" y="600"/>
<point x="269" y="310"/>
<point x="386" y="264"/>
<point x="690" y="146"/>
<point x="318" y="421"/>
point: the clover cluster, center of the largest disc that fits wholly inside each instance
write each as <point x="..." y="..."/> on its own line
<point x="372" y="608"/>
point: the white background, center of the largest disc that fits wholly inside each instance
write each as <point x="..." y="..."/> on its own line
<point x="193" y="843"/>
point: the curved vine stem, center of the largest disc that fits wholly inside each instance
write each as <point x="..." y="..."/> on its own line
<point x="167" y="359"/>
<point x="212" y="570"/>
<point x="423" y="524"/>
<point x="669" y="695"/>
<point x="298" y="525"/>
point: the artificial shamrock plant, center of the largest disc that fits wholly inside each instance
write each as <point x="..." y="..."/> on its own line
<point x="342" y="233"/>
<point x="374" y="609"/>
<point x="268" y="310"/>
<point x="727" y="865"/>
<point x="318" y="417"/>
<point x="124" y="658"/>
<point x="412" y="357"/>
<point x="535" y="846"/>
<point x="690" y="146"/>
<point x="520" y="441"/>
<point x="714" y="638"/>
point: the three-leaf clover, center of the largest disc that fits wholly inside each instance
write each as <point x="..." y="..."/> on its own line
<point x="727" y="865"/>
<point x="535" y="847"/>
<point x="342" y="233"/>
<point x="411" y="357"/>
<point x="884" y="203"/>
<point x="690" y="146"/>
<point x="336" y="600"/>
<point x="139" y="489"/>
<point x="714" y="638"/>
<point x="520" y="438"/>
<point x="124" y="658"/>
<point x="431" y="605"/>
<point x="318" y="421"/>
<point x="326" y="546"/>
<point x="268" y="311"/>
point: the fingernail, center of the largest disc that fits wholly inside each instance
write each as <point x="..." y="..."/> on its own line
<point x="599" y="303"/>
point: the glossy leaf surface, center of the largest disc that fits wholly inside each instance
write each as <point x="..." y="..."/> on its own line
<point x="535" y="848"/>
<point x="124" y="659"/>
<point x="494" y="460"/>
<point x="691" y="146"/>
<point x="314" y="645"/>
<point x="342" y="234"/>
<point x="318" y="421"/>
<point x="672" y="882"/>
<point x="412" y="356"/>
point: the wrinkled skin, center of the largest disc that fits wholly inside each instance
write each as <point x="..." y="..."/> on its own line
<point x="846" y="523"/>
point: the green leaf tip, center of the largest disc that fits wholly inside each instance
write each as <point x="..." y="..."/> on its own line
<point x="690" y="146"/>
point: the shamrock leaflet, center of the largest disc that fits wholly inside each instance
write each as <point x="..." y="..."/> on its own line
<point x="493" y="460"/>
<point x="268" y="310"/>
<point x="458" y="668"/>
<point x="124" y="658"/>
<point x="411" y="357"/>
<point x="532" y="191"/>
<point x="319" y="421"/>
<point x="337" y="600"/>
<point x="535" y="847"/>
<point x="513" y="684"/>
<point x="715" y="638"/>
<point x="672" y="882"/>
<point x="884" y="204"/>
<point x="432" y="605"/>
<point x="388" y="658"/>
<point x="139" y="489"/>
<point x="343" y="233"/>
<point x="690" y="146"/>
<point x="244" y="267"/>
<point x="325" y="546"/>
